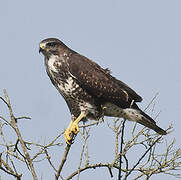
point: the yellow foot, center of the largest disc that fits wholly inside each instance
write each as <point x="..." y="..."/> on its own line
<point x="73" y="129"/>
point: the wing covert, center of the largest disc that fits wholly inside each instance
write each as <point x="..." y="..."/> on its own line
<point x="96" y="80"/>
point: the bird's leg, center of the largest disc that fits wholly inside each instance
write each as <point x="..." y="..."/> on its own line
<point x="73" y="128"/>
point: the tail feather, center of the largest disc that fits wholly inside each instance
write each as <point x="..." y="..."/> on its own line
<point x="152" y="125"/>
<point x="142" y="118"/>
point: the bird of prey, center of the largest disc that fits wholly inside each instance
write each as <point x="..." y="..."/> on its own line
<point x="90" y="91"/>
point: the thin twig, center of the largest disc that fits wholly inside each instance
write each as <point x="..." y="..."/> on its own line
<point x="91" y="166"/>
<point x="23" y="145"/>
<point x="85" y="136"/>
<point x="121" y="149"/>
<point x="48" y="158"/>
<point x="88" y="125"/>
<point x="64" y="158"/>
<point x="142" y="157"/>
<point x="9" y="170"/>
<point x="110" y="171"/>
<point x="22" y="117"/>
<point x="151" y="101"/>
<point x="4" y="101"/>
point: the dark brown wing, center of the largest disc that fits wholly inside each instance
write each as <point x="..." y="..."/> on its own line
<point x="99" y="83"/>
<point x="130" y="91"/>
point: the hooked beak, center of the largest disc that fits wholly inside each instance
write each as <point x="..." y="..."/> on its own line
<point x="40" y="50"/>
<point x="42" y="47"/>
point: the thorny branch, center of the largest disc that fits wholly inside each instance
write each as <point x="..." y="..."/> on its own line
<point x="150" y="161"/>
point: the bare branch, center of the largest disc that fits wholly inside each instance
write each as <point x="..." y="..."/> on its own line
<point x="85" y="136"/>
<point x="93" y="166"/>
<point x="64" y="158"/>
<point x="150" y="162"/>
<point x="8" y="169"/>
<point x="48" y="158"/>
<point x="121" y="149"/>
<point x="15" y="127"/>
<point x="142" y="157"/>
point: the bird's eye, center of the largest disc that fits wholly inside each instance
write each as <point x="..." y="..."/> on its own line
<point x="51" y="44"/>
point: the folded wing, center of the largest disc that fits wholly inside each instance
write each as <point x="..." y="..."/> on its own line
<point x="99" y="83"/>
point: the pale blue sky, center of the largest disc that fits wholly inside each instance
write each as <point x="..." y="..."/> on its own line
<point x="140" y="41"/>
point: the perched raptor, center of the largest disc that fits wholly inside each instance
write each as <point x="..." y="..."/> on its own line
<point x="90" y="91"/>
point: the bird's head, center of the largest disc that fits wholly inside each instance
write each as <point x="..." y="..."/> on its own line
<point x="51" y="46"/>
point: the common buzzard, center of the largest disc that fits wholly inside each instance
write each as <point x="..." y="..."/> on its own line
<point x="90" y="91"/>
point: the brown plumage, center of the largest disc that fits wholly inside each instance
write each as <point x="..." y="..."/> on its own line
<point x="89" y="89"/>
